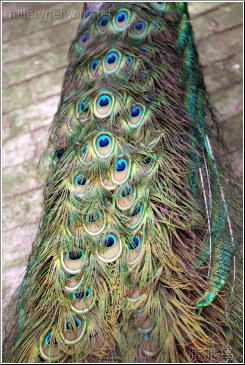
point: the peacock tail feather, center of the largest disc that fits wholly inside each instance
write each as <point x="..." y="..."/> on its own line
<point x="134" y="260"/>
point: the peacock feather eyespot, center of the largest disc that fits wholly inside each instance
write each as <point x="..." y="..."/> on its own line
<point x="80" y="180"/>
<point x="47" y="339"/>
<point x="148" y="160"/>
<point x="135" y="243"/>
<point x="94" y="223"/>
<point x="91" y="218"/>
<point x="111" y="248"/>
<point x="136" y="111"/>
<point x="88" y="13"/>
<point x="112" y="61"/>
<point x="137" y="210"/>
<point x="159" y="5"/>
<point x="145" y="49"/>
<point x="103" y="141"/>
<point x="71" y="275"/>
<point x="137" y="216"/>
<point x="139" y="29"/>
<point x="139" y="26"/>
<point x="121" y="165"/>
<point x="86" y="156"/>
<point x="110" y="240"/>
<point x="121" y="170"/>
<point x="85" y="38"/>
<point x="94" y="65"/>
<point x="125" y="191"/>
<point x="150" y="346"/>
<point x="72" y="261"/>
<point x="107" y="182"/>
<point x="83" y="150"/>
<point x="74" y="330"/>
<point x="103" y="24"/>
<point x="104" y="145"/>
<point x="121" y="19"/>
<point x="136" y="116"/>
<point x="135" y="249"/>
<point x="49" y="349"/>
<point x="82" y="294"/>
<point x="59" y="153"/>
<point x="130" y="59"/>
<point x="83" y="300"/>
<point x="83" y="107"/>
<point x="75" y="255"/>
<point x="94" y="217"/>
<point x="149" y="163"/>
<point x="103" y="105"/>
<point x="111" y="58"/>
<point x="80" y="184"/>
<point x="127" y="64"/>
<point x="83" y="111"/>
<point x="125" y="198"/>
<point x="104" y="101"/>
<point x="69" y="324"/>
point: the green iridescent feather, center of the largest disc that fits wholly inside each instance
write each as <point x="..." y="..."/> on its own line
<point x="134" y="258"/>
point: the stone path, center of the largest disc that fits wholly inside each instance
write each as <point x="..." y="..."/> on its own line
<point x="34" y="62"/>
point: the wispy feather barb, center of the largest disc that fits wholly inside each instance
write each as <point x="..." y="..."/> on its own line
<point x="135" y="246"/>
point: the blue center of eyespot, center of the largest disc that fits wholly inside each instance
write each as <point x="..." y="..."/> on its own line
<point x="111" y="58"/>
<point x="104" y="21"/>
<point x="85" y="37"/>
<point x="162" y="4"/>
<point x="137" y="210"/>
<point x="103" y="141"/>
<point x="71" y="275"/>
<point x="104" y="101"/>
<point x="83" y="294"/>
<point x="110" y="240"/>
<point x="88" y="13"/>
<point x="121" y="17"/>
<point x="144" y="49"/>
<point x="74" y="255"/>
<point x="148" y="160"/>
<point x="47" y="339"/>
<point x="139" y="25"/>
<point x="83" y="149"/>
<point x="69" y="324"/>
<point x="135" y="243"/>
<point x="94" y="65"/>
<point x="83" y="107"/>
<point x="121" y="165"/>
<point x="91" y="218"/>
<point x="124" y="192"/>
<point x="80" y="180"/>
<point x="135" y="111"/>
<point x="130" y="60"/>
<point x="59" y="153"/>
<point x="150" y="99"/>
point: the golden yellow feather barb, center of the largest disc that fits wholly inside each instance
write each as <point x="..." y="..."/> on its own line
<point x="134" y="253"/>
